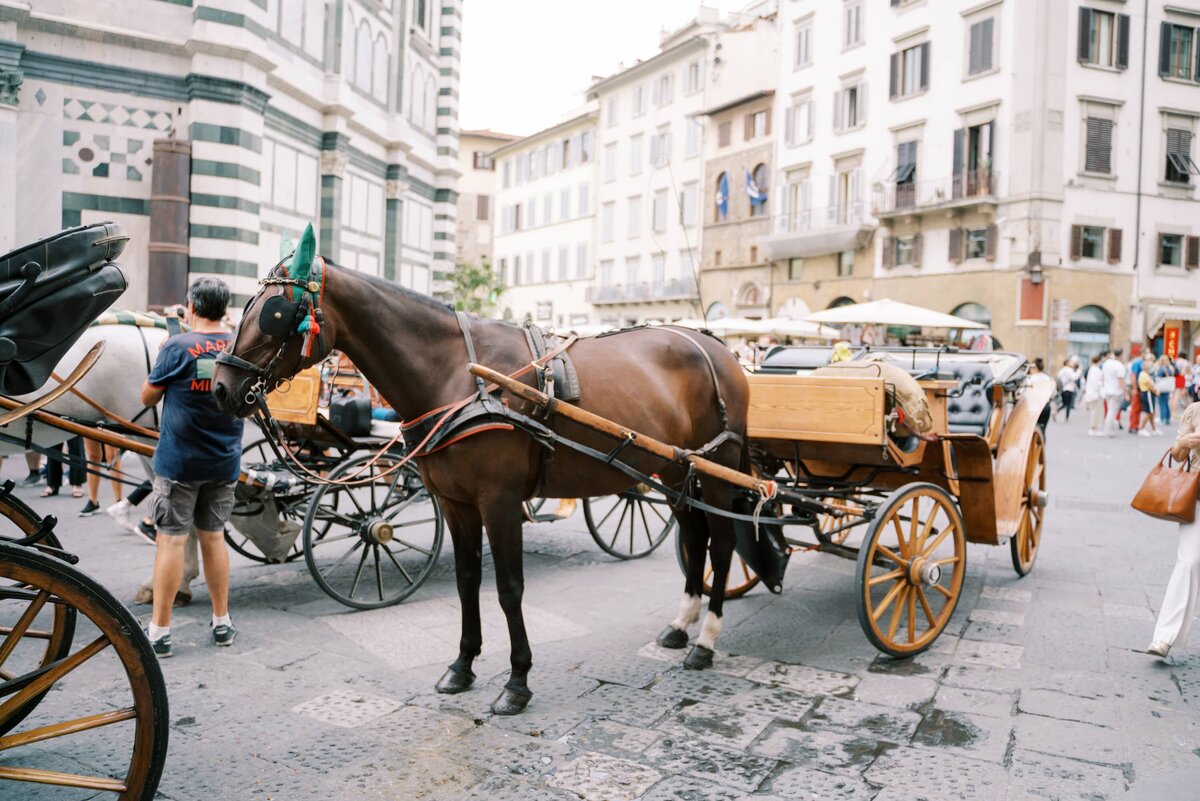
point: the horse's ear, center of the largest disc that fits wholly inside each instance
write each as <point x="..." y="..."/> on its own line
<point x="305" y="251"/>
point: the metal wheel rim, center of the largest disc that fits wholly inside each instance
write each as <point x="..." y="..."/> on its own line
<point x="1028" y="538"/>
<point x="645" y="519"/>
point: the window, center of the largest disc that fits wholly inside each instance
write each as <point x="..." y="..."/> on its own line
<point x="659" y="211"/>
<point x="587" y="141"/>
<point x="687" y="265"/>
<point x="757" y="191"/>
<point x="724" y="134"/>
<point x="606" y="273"/>
<point x="658" y="268"/>
<point x="581" y="260"/>
<point x="850" y="107"/>
<point x="516" y="276"/>
<point x="803" y="45"/>
<point x="535" y="163"/>
<point x="531" y="205"/>
<point x="610" y="162"/>
<point x="977" y="242"/>
<point x="546" y="265"/>
<point x="757" y="124"/>
<point x="554" y="156"/>
<point x="845" y="267"/>
<point x="639" y="101"/>
<point x="687" y="204"/>
<point x="482" y="203"/>
<point x="905" y="176"/>
<point x="979" y="55"/>
<point x="904" y="250"/>
<point x="481" y="161"/>
<point x="610" y="111"/>
<point x="799" y="202"/>
<point x="564" y="204"/>
<point x="664" y="89"/>
<point x="1091" y="242"/>
<point x="548" y="208"/>
<point x="795" y="269"/>
<point x="634" y="220"/>
<point x="693" y="135"/>
<point x="721" y="198"/>
<point x="421" y="10"/>
<point x="1170" y="250"/>
<point x="798" y="126"/>
<point x="506" y="174"/>
<point x="1098" y="152"/>
<point x="845" y="196"/>
<point x="899" y="251"/>
<point x="852" y="24"/>
<point x="564" y="256"/>
<point x="585" y="199"/>
<point x="632" y="268"/>
<point x="505" y="278"/>
<point x="694" y="77"/>
<point x="1180" y="166"/>
<point x="753" y="254"/>
<point x="660" y="148"/>
<point x="1103" y="38"/>
<point x="972" y="166"/>
<point x="635" y="155"/>
<point x="1177" y="52"/>
<point x="909" y="71"/>
<point x="608" y="215"/>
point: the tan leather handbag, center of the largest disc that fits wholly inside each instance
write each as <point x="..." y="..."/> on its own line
<point x="1170" y="491"/>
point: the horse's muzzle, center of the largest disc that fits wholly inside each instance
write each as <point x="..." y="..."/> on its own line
<point x="230" y="402"/>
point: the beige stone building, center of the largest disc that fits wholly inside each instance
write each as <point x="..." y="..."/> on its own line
<point x="476" y="195"/>
<point x="735" y="276"/>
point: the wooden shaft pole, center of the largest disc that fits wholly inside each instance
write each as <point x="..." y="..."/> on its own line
<point x="606" y="426"/>
<point x="87" y="432"/>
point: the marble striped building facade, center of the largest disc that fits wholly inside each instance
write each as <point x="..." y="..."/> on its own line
<point x="339" y="112"/>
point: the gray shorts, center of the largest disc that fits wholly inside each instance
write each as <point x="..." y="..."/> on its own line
<point x="178" y="505"/>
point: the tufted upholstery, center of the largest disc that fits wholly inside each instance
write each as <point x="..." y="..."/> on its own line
<point x="971" y="411"/>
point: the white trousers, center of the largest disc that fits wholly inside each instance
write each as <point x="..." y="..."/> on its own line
<point x="1114" y="411"/>
<point x="1096" y="408"/>
<point x="1179" y="604"/>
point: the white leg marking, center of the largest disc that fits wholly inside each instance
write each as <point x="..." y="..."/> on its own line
<point x="689" y="612"/>
<point x="710" y="630"/>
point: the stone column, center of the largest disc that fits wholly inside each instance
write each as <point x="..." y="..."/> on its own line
<point x="334" y="159"/>
<point x="394" y="222"/>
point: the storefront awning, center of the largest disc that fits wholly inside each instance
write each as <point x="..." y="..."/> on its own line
<point x="1157" y="315"/>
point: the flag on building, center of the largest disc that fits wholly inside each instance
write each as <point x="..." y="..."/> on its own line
<point x="723" y="196"/>
<point x="757" y="196"/>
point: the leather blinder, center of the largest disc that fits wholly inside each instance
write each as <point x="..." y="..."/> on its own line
<point x="278" y="316"/>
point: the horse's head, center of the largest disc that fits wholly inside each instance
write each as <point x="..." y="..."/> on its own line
<point x="282" y="332"/>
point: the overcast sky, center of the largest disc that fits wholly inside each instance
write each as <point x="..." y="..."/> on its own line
<point x="526" y="63"/>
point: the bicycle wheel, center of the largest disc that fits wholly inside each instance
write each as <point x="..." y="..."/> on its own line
<point x="129" y="728"/>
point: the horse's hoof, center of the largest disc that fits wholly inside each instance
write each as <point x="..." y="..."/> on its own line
<point x="672" y="637"/>
<point x="699" y="658"/>
<point x="511" y="702"/>
<point x="455" y="681"/>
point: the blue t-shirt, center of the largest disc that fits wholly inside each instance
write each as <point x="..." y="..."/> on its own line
<point x="197" y="442"/>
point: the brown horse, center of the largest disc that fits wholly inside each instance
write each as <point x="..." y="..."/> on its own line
<point x="412" y="349"/>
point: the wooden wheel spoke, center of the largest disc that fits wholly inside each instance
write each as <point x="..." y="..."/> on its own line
<point x="399" y="566"/>
<point x="887" y="600"/>
<point x="903" y="544"/>
<point x="928" y="609"/>
<point x="897" y="612"/>
<point x="362" y="563"/>
<point x="924" y="536"/>
<point x="912" y="615"/>
<point x="938" y="540"/>
<point x="888" y="553"/>
<point x="50" y="674"/>
<point x="949" y="560"/>
<point x="913" y="541"/>
<point x="943" y="590"/>
<point x="30" y="634"/>
<point x="62" y="779"/>
<point x="22" y="626"/>
<point x="882" y="577"/>
<point x="67" y="727"/>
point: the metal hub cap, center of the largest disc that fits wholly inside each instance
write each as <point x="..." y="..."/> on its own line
<point x="924" y="572"/>
<point x="380" y="531"/>
<point x="1038" y="498"/>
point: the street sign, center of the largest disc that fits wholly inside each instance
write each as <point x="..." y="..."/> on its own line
<point x="1060" y="319"/>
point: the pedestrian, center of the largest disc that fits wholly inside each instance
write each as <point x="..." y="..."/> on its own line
<point x="1148" y="393"/>
<point x="108" y="456"/>
<point x="1179" y="399"/>
<point x="1093" y="397"/>
<point x="1194" y="385"/>
<point x="1164" y="385"/>
<point x="54" y="468"/>
<point x="1179" y="604"/>
<point x="1135" y="405"/>
<point x="1068" y="380"/>
<point x="1114" y="373"/>
<point x="33" y="462"/>
<point x="196" y="463"/>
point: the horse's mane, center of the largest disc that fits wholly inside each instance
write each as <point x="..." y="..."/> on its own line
<point x="382" y="283"/>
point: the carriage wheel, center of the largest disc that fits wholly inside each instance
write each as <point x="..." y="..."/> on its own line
<point x="631" y="524"/>
<point x="741" y="578"/>
<point x="39" y="647"/>
<point x="910" y="569"/>
<point x="129" y="726"/>
<point x="1024" y="544"/>
<point x="372" y="546"/>
<point x="257" y="454"/>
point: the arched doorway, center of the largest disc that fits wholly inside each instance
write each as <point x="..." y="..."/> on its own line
<point x="1091" y="332"/>
<point x="842" y="301"/>
<point x="976" y="313"/>
<point x="716" y="311"/>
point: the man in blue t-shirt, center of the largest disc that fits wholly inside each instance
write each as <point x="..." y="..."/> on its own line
<point x="196" y="463"/>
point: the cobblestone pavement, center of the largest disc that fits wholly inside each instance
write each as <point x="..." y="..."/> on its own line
<point x="1037" y="690"/>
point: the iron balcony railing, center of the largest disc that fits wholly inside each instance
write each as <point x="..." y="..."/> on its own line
<point x="971" y="186"/>
<point x="804" y="220"/>
<point x="645" y="291"/>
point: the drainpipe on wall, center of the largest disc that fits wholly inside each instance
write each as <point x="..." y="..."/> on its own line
<point x="1137" y="224"/>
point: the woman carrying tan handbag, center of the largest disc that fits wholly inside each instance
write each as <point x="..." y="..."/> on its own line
<point x="1179" y="604"/>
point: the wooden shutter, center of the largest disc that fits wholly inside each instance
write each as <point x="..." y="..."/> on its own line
<point x="925" y="66"/>
<point x="917" y="248"/>
<point x="1098" y="155"/>
<point x="1193" y="252"/>
<point x="985" y="36"/>
<point x="767" y="127"/>
<point x="1085" y="34"/>
<point x="991" y="233"/>
<point x="956" y="245"/>
<point x="748" y="127"/>
<point x="895" y="3"/>
<point x="889" y="252"/>
<point x="894" y="76"/>
<point x="1164" y="48"/>
<point x="960" y="137"/>
<point x="724" y="133"/>
<point x="974" y="48"/>
<point x="1114" y="245"/>
<point x="789" y="126"/>
<point x="1122" y="41"/>
<point x="481" y="207"/>
<point x="1076" y="242"/>
<point x="861" y="110"/>
<point x="837" y="111"/>
<point x="832" y="210"/>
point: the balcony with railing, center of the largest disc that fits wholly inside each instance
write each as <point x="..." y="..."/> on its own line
<point x="644" y="292"/>
<point x="808" y="232"/>
<point x="973" y="188"/>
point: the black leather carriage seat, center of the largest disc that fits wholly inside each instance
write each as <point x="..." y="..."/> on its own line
<point x="969" y="407"/>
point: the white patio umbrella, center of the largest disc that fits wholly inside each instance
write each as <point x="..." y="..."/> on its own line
<point x="890" y="312"/>
<point x="690" y="322"/>
<point x="802" y="329"/>
<point x="737" y="326"/>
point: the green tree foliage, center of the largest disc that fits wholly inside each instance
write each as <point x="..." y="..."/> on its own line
<point x="475" y="288"/>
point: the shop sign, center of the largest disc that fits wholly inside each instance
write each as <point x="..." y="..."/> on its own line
<point x="1060" y="319"/>
<point x="1171" y="341"/>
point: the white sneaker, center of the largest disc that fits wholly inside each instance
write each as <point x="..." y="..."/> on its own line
<point x="1145" y="432"/>
<point x="1159" y="649"/>
<point x="1158" y="432"/>
<point x="122" y="513"/>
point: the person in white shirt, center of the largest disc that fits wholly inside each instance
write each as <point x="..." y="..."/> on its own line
<point x="1093" y="397"/>
<point x="1113" y="371"/>
<point x="1068" y="383"/>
